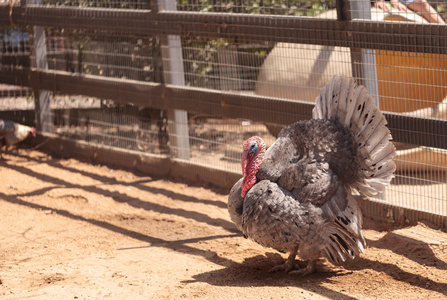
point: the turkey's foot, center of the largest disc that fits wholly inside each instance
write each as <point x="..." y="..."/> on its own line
<point x="289" y="265"/>
<point x="286" y="267"/>
<point x="311" y="268"/>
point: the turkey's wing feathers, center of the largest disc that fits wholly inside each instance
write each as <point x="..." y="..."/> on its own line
<point x="315" y="182"/>
<point x="235" y="204"/>
<point x="307" y="158"/>
<point x="277" y="158"/>
<point x="273" y="218"/>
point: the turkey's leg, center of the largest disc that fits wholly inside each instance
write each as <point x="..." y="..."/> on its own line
<point x="289" y="264"/>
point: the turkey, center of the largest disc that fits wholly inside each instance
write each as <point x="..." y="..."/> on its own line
<point x="297" y="197"/>
<point x="12" y="133"/>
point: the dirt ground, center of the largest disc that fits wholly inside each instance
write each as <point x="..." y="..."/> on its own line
<point x="72" y="230"/>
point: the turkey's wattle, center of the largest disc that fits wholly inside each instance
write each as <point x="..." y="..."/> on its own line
<point x="252" y="155"/>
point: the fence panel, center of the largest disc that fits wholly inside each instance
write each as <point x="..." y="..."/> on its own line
<point x="247" y="67"/>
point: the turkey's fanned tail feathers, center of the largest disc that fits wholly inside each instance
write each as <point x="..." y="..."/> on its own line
<point x="341" y="99"/>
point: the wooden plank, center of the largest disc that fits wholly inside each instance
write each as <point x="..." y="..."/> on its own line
<point x="155" y="165"/>
<point x="343" y="8"/>
<point x="428" y="132"/>
<point x="428" y="38"/>
<point x="399" y="216"/>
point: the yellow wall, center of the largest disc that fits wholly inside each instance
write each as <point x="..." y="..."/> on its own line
<point x="409" y="81"/>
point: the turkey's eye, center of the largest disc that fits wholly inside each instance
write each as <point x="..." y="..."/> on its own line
<point x="253" y="148"/>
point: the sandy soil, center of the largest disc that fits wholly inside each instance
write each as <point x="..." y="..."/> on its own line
<point x="72" y="230"/>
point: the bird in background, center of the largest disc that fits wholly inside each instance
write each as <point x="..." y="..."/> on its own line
<point x="12" y="133"/>
<point x="297" y="196"/>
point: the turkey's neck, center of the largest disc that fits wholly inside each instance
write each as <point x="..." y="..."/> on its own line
<point x="250" y="171"/>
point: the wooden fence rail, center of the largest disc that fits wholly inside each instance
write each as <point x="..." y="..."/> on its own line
<point x="404" y="128"/>
<point x="424" y="38"/>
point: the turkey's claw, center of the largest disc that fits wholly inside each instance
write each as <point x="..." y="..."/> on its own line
<point x="311" y="268"/>
<point x="289" y="265"/>
<point x="286" y="267"/>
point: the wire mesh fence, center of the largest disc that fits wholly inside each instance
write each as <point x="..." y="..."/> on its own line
<point x="15" y="47"/>
<point x="403" y="81"/>
<point x="102" y="53"/>
<point x="117" y="4"/>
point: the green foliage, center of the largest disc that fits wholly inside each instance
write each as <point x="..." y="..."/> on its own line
<point x="271" y="7"/>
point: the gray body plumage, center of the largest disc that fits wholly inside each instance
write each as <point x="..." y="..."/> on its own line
<point x="302" y="199"/>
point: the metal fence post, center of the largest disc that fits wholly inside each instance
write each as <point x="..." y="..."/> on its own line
<point x="363" y="60"/>
<point x="173" y="73"/>
<point x="41" y="97"/>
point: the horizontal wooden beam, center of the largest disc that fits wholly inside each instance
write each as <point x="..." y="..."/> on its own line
<point x="391" y="215"/>
<point x="394" y="36"/>
<point x="404" y="128"/>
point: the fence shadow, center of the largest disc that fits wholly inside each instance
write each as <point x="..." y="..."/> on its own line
<point x="120" y="197"/>
<point x="410" y="248"/>
<point x="254" y="272"/>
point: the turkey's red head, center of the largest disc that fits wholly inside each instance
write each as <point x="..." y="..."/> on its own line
<point x="252" y="155"/>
